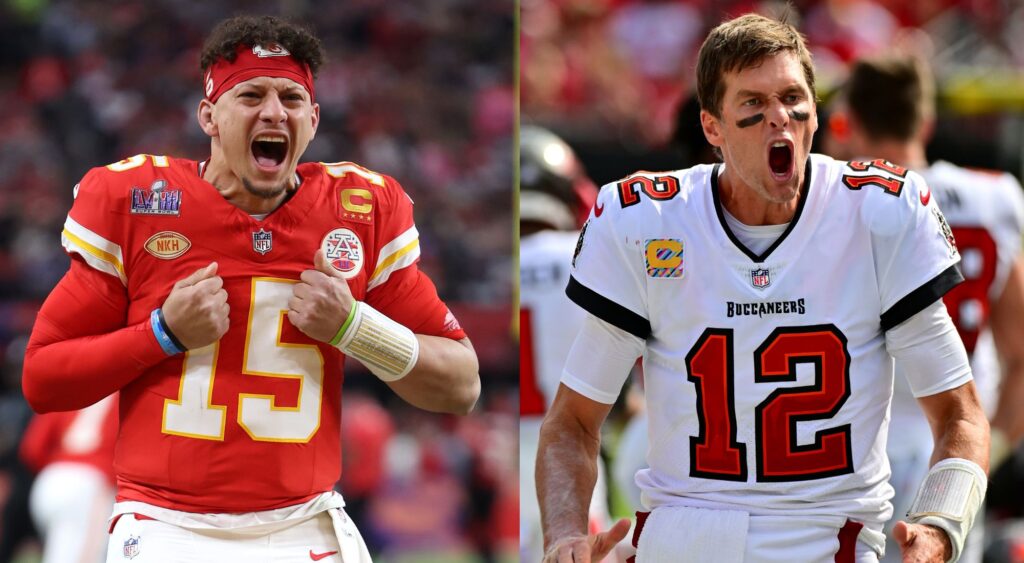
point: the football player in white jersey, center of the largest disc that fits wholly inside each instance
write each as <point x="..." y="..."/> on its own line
<point x="553" y="186"/>
<point x="768" y="296"/>
<point x="888" y="110"/>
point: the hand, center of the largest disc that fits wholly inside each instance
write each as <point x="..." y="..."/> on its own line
<point x="196" y="311"/>
<point x="587" y="549"/>
<point x="321" y="302"/>
<point x="921" y="543"/>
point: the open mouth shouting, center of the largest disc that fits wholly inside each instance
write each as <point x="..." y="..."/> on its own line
<point x="269" y="151"/>
<point x="780" y="159"/>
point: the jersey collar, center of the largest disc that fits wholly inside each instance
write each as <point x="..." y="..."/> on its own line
<point x="759" y="258"/>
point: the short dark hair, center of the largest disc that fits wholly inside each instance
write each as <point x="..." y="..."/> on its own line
<point x="743" y="43"/>
<point x="890" y="97"/>
<point x="260" y="30"/>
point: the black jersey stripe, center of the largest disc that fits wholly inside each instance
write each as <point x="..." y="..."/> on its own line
<point x="915" y="301"/>
<point x="607" y="310"/>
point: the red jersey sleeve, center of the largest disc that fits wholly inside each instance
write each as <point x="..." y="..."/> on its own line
<point x="94" y="228"/>
<point x="397" y="287"/>
<point x="80" y="349"/>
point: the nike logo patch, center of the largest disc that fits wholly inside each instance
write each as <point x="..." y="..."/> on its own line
<point x="319" y="556"/>
<point x="926" y="196"/>
<point x="598" y="209"/>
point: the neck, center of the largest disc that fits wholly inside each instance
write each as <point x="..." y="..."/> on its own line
<point x="230" y="186"/>
<point x="752" y="208"/>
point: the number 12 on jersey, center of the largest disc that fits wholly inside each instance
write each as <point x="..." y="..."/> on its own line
<point x="716" y="453"/>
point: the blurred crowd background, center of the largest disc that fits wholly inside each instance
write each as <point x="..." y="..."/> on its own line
<point x="609" y="75"/>
<point x="614" y="78"/>
<point x="422" y="91"/>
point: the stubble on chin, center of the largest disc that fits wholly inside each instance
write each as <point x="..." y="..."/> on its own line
<point x="264" y="193"/>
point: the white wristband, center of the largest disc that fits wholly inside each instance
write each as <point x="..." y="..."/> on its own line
<point x="389" y="350"/>
<point x="949" y="499"/>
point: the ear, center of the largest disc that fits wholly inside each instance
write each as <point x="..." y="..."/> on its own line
<point x="205" y="117"/>
<point x="712" y="128"/>
<point x="315" y="116"/>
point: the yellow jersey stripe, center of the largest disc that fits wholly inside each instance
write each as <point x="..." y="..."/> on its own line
<point x="414" y="245"/>
<point x="96" y="252"/>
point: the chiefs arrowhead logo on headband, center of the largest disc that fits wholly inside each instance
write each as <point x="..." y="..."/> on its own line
<point x="271" y="50"/>
<point x="256" y="60"/>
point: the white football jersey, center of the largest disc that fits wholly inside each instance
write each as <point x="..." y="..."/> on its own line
<point x="548" y="321"/>
<point x="985" y="210"/>
<point x="767" y="377"/>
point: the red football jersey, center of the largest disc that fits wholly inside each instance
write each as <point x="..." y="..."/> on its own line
<point x="250" y="422"/>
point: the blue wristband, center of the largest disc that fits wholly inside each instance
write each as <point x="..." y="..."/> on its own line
<point x="167" y="341"/>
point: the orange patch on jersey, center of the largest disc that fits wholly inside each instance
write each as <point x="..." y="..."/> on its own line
<point x="167" y="245"/>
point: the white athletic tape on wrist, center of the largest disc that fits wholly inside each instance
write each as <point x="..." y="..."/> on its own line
<point x="388" y="349"/>
<point x="949" y="499"/>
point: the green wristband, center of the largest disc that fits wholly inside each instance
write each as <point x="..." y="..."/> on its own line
<point x="344" y="326"/>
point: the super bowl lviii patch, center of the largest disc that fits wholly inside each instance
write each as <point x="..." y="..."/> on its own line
<point x="664" y="258"/>
<point x="158" y="199"/>
<point x="344" y="252"/>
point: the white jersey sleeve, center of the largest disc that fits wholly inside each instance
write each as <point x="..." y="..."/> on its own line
<point x="602" y="355"/>
<point x="914" y="251"/>
<point x="548" y="321"/>
<point x="606" y="278"/>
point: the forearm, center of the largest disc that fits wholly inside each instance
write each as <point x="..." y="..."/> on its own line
<point x="966" y="438"/>
<point x="566" y="475"/>
<point x="959" y="427"/>
<point x="445" y="377"/>
<point x="72" y="374"/>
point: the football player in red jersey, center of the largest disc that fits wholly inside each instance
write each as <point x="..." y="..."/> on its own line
<point x="220" y="297"/>
<point x="72" y="454"/>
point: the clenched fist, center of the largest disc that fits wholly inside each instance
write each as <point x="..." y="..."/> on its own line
<point x="196" y="311"/>
<point x="321" y="302"/>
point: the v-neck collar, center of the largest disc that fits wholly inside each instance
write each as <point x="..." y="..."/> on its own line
<point x="759" y="258"/>
<point x="292" y="210"/>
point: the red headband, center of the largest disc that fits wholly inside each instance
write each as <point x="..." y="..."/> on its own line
<point x="250" y="62"/>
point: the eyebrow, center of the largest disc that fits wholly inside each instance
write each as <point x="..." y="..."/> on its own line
<point x="755" y="93"/>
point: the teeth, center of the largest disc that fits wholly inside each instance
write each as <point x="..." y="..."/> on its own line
<point x="778" y="144"/>
<point x="271" y="139"/>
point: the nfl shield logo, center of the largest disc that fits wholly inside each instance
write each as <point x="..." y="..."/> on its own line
<point x="262" y="241"/>
<point x="131" y="547"/>
<point x="760" y="278"/>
